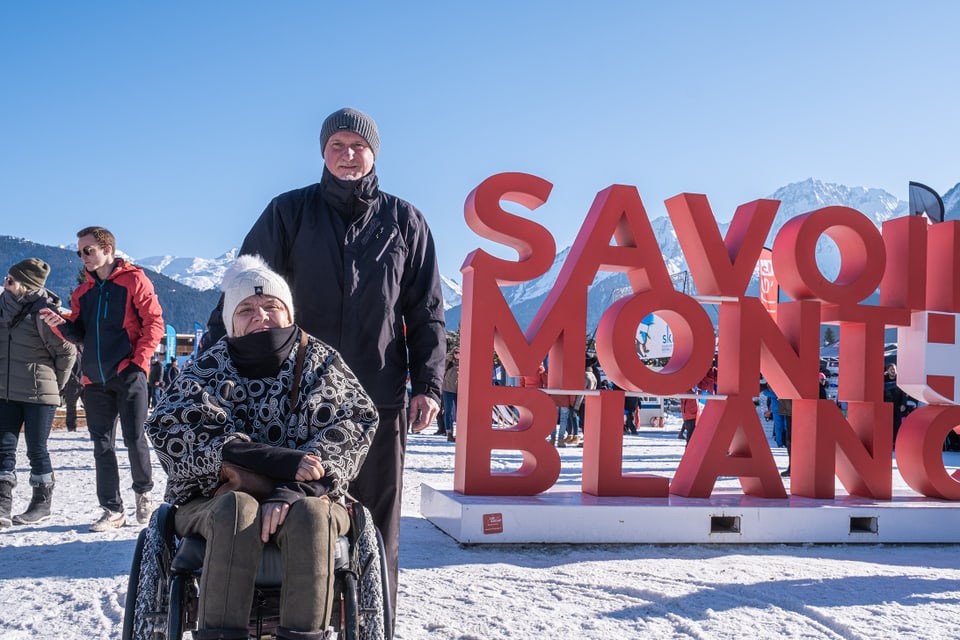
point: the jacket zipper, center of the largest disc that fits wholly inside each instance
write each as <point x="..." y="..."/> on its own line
<point x="6" y="389"/>
<point x="101" y="303"/>
<point x="386" y="245"/>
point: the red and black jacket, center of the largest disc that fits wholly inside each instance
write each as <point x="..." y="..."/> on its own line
<point x="118" y="321"/>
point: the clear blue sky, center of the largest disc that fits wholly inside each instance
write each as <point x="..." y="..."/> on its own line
<point x="173" y="123"/>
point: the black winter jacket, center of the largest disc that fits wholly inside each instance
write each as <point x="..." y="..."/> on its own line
<point x="362" y="268"/>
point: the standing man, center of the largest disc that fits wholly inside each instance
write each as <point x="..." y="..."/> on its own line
<point x="154" y="381"/>
<point x="363" y="270"/>
<point x="115" y="315"/>
<point x="451" y="385"/>
<point x="70" y="393"/>
<point x="895" y="396"/>
<point x="171" y="373"/>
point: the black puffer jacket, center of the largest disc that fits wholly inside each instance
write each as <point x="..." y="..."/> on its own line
<point x="361" y="264"/>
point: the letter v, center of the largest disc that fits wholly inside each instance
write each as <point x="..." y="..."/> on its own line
<point x="720" y="266"/>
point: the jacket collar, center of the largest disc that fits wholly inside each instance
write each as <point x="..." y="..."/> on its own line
<point x="350" y="198"/>
<point x="119" y="264"/>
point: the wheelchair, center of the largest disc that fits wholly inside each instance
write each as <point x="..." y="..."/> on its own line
<point x="163" y="595"/>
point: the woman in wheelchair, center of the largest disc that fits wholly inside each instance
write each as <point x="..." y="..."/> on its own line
<point x="260" y="437"/>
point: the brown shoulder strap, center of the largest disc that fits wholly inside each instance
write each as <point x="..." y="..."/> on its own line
<point x="298" y="370"/>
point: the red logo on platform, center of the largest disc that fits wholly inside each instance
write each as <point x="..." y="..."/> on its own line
<point x="729" y="440"/>
<point x="492" y="523"/>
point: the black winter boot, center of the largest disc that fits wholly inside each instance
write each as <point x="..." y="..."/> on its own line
<point x="39" y="507"/>
<point x="6" y="501"/>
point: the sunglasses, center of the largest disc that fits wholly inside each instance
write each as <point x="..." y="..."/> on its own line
<point x="10" y="281"/>
<point x="86" y="251"/>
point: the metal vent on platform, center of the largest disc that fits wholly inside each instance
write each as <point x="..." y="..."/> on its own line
<point x="724" y="524"/>
<point x="866" y="524"/>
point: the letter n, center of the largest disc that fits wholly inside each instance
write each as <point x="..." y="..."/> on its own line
<point x="857" y="450"/>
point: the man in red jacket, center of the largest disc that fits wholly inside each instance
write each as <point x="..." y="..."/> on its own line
<point x="115" y="315"/>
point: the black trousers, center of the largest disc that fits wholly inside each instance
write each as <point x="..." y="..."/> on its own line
<point x="379" y="486"/>
<point x="71" y="393"/>
<point x="123" y="396"/>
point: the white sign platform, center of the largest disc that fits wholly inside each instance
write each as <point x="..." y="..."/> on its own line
<point x="726" y="517"/>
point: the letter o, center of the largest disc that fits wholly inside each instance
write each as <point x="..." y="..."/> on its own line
<point x="693" y="342"/>
<point x="863" y="256"/>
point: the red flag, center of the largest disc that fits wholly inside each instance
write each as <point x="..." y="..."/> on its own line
<point x="769" y="288"/>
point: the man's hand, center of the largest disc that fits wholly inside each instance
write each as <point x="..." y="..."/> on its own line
<point x="423" y="409"/>
<point x="51" y="317"/>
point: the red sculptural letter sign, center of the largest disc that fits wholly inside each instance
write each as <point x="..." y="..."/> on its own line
<point x="617" y="235"/>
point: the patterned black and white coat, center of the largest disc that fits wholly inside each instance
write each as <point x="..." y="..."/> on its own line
<point x="211" y="403"/>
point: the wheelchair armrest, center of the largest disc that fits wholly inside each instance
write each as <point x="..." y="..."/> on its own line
<point x="165" y="514"/>
<point x="189" y="556"/>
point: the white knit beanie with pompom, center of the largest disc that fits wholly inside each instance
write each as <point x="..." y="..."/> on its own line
<point x="250" y="276"/>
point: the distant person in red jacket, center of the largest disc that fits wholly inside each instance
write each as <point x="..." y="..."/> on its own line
<point x="115" y="315"/>
<point x="538" y="381"/>
<point x="563" y="403"/>
<point x="690" y="407"/>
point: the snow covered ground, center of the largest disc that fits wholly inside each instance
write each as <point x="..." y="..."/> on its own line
<point x="58" y="581"/>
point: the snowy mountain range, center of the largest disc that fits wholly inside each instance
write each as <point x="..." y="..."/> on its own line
<point x="207" y="273"/>
<point x="795" y="199"/>
<point x="199" y="273"/>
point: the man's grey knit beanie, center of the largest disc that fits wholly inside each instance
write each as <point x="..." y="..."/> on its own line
<point x="348" y="119"/>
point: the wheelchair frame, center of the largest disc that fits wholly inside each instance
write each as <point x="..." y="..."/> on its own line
<point x="163" y="595"/>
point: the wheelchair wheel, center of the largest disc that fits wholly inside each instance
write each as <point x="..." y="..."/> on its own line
<point x="176" y="614"/>
<point x="385" y="589"/>
<point x="347" y="614"/>
<point x="145" y="605"/>
<point x="130" y="602"/>
<point x="373" y="596"/>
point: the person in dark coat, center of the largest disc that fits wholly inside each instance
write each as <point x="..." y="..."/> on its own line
<point x="630" y="406"/>
<point x="362" y="267"/>
<point x="895" y="396"/>
<point x="155" y="381"/>
<point x="785" y="408"/>
<point x="71" y="391"/>
<point x="171" y="372"/>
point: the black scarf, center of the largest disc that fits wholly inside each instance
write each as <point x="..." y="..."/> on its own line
<point x="261" y="354"/>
